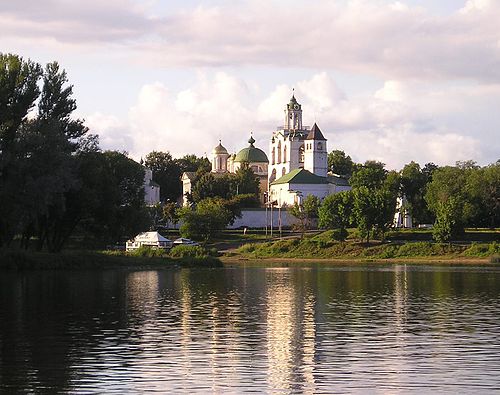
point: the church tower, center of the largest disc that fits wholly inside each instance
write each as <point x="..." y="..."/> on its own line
<point x="219" y="159"/>
<point x="293" y="115"/>
<point x="315" y="152"/>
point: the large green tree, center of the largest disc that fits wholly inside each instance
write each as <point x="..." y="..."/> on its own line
<point x="335" y="212"/>
<point x="206" y="220"/>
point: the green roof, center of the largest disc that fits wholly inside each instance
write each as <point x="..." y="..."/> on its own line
<point x="251" y="154"/>
<point x="300" y="176"/>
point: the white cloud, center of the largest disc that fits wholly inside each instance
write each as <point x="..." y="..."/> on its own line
<point x="387" y="39"/>
<point x="391" y="124"/>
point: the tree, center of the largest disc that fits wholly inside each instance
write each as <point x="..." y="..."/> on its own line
<point x="193" y="163"/>
<point x="371" y="175"/>
<point x="447" y="225"/>
<point x="305" y="212"/>
<point x="340" y="163"/>
<point x="449" y="182"/>
<point x="244" y="181"/>
<point x="206" y="220"/>
<point x="335" y="213"/>
<point x="170" y="213"/>
<point x="211" y="186"/>
<point x="167" y="173"/>
<point x="18" y="92"/>
<point x="413" y="185"/>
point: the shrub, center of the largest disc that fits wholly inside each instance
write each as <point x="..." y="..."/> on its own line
<point x="148" y="252"/>
<point x="182" y="251"/>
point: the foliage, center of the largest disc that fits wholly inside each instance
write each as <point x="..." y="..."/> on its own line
<point x="447" y="225"/>
<point x="335" y="213"/>
<point x="206" y="220"/>
<point x="340" y="163"/>
<point x="322" y="246"/>
<point x="170" y="213"/>
<point x="371" y="175"/>
<point x="305" y="212"/>
<point x="227" y="186"/>
<point x="244" y="181"/>
<point x="211" y="186"/>
<point x="166" y="173"/>
<point x="413" y="185"/>
<point x="181" y="251"/>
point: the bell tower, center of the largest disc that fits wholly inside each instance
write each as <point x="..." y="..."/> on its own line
<point x="293" y="115"/>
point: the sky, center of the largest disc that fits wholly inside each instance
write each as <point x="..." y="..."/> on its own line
<point x="394" y="81"/>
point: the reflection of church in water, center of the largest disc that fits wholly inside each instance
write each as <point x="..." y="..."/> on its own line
<point x="298" y="164"/>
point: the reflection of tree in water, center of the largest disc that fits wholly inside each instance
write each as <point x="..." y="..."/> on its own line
<point x="298" y="330"/>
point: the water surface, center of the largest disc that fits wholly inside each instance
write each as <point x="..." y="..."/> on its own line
<point x="318" y="329"/>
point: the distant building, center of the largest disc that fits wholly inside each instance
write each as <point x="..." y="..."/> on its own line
<point x="299" y="161"/>
<point x="151" y="188"/>
<point x="402" y="217"/>
<point x="224" y="163"/>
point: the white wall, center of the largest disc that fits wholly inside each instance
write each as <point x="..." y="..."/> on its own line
<point x="256" y="218"/>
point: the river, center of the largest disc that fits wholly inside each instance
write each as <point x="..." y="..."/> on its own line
<point x="310" y="329"/>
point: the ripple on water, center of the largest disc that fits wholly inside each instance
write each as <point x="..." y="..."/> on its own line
<point x="320" y="330"/>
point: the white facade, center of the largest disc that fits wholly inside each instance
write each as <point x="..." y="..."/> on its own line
<point x="402" y="217"/>
<point x="151" y="189"/>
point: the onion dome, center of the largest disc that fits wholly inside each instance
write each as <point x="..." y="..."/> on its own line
<point x="251" y="154"/>
<point x="219" y="150"/>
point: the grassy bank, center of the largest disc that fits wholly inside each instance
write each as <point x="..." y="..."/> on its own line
<point x="322" y="246"/>
<point x="28" y="260"/>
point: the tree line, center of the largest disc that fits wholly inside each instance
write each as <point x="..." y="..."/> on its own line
<point x="449" y="197"/>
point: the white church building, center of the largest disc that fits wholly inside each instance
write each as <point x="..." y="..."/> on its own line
<point x="297" y="166"/>
<point x="299" y="162"/>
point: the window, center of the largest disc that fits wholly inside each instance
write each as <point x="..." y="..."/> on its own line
<point x="320" y="146"/>
<point x="279" y="152"/>
<point x="301" y="154"/>
<point x="283" y="171"/>
<point x="273" y="176"/>
<point x="273" y="156"/>
<point x="284" y="154"/>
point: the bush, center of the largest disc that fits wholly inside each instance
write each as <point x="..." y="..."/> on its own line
<point x="483" y="250"/>
<point x="149" y="252"/>
<point x="182" y="251"/>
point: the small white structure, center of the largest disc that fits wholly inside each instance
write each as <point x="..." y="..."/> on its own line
<point x="402" y="217"/>
<point x="151" y="189"/>
<point x="148" y="239"/>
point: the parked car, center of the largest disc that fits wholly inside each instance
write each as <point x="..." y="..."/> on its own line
<point x="183" y="241"/>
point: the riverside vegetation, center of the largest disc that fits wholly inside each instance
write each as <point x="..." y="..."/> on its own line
<point x="143" y="257"/>
<point x="323" y="246"/>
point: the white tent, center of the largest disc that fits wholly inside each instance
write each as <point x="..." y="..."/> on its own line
<point x="148" y="239"/>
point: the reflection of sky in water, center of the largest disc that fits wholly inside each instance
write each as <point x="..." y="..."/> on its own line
<point x="283" y="330"/>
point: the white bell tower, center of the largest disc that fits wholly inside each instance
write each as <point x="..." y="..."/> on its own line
<point x="293" y="115"/>
<point x="315" y="152"/>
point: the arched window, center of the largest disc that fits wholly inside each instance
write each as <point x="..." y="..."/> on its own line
<point x="273" y="154"/>
<point x="320" y="146"/>
<point x="279" y="152"/>
<point x="301" y="154"/>
<point x="273" y="176"/>
<point x="284" y="154"/>
<point x="283" y="171"/>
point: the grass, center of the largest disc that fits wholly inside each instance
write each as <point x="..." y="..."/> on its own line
<point x="323" y="246"/>
<point x="22" y="260"/>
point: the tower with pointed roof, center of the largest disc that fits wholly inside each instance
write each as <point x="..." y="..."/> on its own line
<point x="315" y="154"/>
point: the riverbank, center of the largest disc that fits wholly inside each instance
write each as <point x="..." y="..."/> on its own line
<point x="322" y="247"/>
<point x="71" y="259"/>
